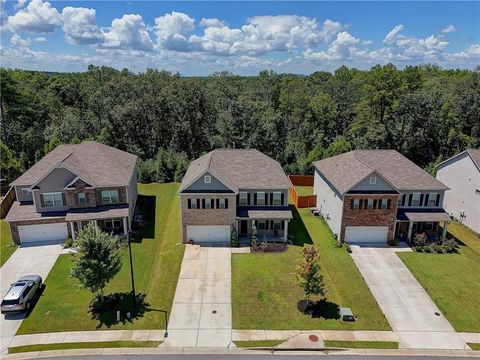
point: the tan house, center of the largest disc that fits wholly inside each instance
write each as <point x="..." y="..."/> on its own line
<point x="374" y="196"/>
<point x="70" y="187"/>
<point x="234" y="188"/>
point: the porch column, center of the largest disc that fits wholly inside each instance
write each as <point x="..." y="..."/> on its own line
<point x="285" y="231"/>
<point x="410" y="229"/>
<point x="125" y="231"/>
<point x="73" y="230"/>
<point x="444" y="231"/>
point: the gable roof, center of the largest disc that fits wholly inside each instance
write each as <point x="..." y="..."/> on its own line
<point x="474" y="154"/>
<point x="238" y="169"/>
<point x="98" y="164"/>
<point x="346" y="170"/>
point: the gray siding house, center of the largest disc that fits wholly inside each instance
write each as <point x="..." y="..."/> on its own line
<point x="70" y="187"/>
<point x="234" y="188"/>
<point x="461" y="173"/>
<point x="374" y="196"/>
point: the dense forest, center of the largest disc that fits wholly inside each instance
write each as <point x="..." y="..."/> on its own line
<point x="425" y="112"/>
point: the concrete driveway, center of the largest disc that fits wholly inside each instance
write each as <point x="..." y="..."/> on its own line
<point x="407" y="307"/>
<point x="35" y="259"/>
<point x="202" y="311"/>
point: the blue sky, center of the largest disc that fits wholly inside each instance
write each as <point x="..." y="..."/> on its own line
<point x="199" y="38"/>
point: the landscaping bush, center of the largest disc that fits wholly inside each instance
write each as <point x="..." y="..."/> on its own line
<point x="421" y="244"/>
<point x="68" y="243"/>
<point x="419" y="239"/>
<point x="349" y="249"/>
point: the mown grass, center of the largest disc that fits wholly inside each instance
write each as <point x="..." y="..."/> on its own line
<point x="474" y="346"/>
<point x="157" y="256"/>
<point x="258" y="343"/>
<point x="452" y="280"/>
<point x="362" y="344"/>
<point x="264" y="295"/>
<point x="304" y="190"/>
<point x="7" y="247"/>
<point x="83" y="345"/>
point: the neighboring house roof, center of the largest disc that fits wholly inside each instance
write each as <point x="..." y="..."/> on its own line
<point x="473" y="153"/>
<point x="95" y="163"/>
<point x="346" y="170"/>
<point x="238" y="169"/>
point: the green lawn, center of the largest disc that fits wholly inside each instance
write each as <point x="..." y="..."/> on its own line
<point x="474" y="346"/>
<point x="157" y="256"/>
<point x="7" y="247"/>
<point x="466" y="235"/>
<point x="258" y="343"/>
<point x="304" y="190"/>
<point x="264" y="295"/>
<point x="84" y="345"/>
<point x="452" y="280"/>
<point x="362" y="344"/>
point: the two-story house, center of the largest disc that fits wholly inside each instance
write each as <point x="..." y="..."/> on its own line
<point x="374" y="196"/>
<point x="234" y="188"/>
<point x="70" y="187"/>
<point x="461" y="173"/>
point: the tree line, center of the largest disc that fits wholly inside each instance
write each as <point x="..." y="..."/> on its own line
<point x="425" y="112"/>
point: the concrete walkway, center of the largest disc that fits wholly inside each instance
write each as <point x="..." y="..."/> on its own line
<point x="202" y="311"/>
<point x="35" y="259"/>
<point x="413" y="316"/>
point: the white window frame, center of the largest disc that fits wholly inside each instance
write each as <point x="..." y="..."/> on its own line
<point x="193" y="204"/>
<point x="413" y="199"/>
<point x="369" y="203"/>
<point x="356" y="204"/>
<point x="26" y="191"/>
<point x="53" y="200"/>
<point x="277" y="224"/>
<point x="383" y="204"/>
<point x="373" y="180"/>
<point x="261" y="195"/>
<point x="109" y="197"/>
<point x="82" y="200"/>
<point x="113" y="223"/>
<point x="432" y="197"/>
<point x="277" y="198"/>
<point x="222" y="203"/>
<point x="208" y="204"/>
<point x="207" y="179"/>
<point x="243" y="195"/>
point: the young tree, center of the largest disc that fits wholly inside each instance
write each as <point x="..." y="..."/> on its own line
<point x="234" y="237"/>
<point x="308" y="275"/>
<point x="97" y="260"/>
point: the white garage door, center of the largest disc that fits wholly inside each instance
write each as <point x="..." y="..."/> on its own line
<point x="208" y="234"/>
<point x="45" y="232"/>
<point x="366" y="234"/>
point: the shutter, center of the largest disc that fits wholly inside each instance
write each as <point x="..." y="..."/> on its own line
<point x="42" y="200"/>
<point x="238" y="200"/>
<point x="410" y="200"/>
<point x="360" y="205"/>
<point x="267" y="225"/>
<point x="421" y="200"/>
<point x="248" y="198"/>
<point x="189" y="203"/>
<point x="255" y="199"/>
<point x="374" y="203"/>
<point x="283" y="225"/>
<point x="226" y="203"/>
<point x="282" y="200"/>
<point x="351" y="204"/>
<point x="389" y="203"/>
<point x="365" y="203"/>
<point x="270" y="202"/>
<point x="218" y="203"/>
<point x="404" y="198"/>
<point x="203" y="203"/>
<point x="266" y="198"/>
<point x="212" y="203"/>
<point x="426" y="199"/>
<point x="64" y="200"/>
<point x="437" y="202"/>
<point x="380" y="203"/>
<point x="198" y="203"/>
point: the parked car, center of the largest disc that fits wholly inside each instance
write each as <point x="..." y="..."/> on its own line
<point x="21" y="294"/>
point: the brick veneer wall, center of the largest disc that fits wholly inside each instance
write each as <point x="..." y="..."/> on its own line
<point x="207" y="216"/>
<point x="122" y="194"/>
<point x="14" y="226"/>
<point x="72" y="196"/>
<point x="369" y="217"/>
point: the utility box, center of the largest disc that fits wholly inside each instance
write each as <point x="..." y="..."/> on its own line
<point x="346" y="314"/>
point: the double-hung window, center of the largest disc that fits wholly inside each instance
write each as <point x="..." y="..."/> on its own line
<point x="222" y="204"/>
<point x="262" y="224"/>
<point x="52" y="199"/>
<point x="277" y="198"/>
<point x="383" y="203"/>
<point x="81" y="198"/>
<point x="243" y="198"/>
<point x="370" y="204"/>
<point x="277" y="224"/>
<point x="26" y="191"/>
<point x="208" y="204"/>
<point x="432" y="199"/>
<point x="193" y="203"/>
<point x="110" y="196"/>
<point x="261" y="198"/>
<point x="416" y="199"/>
<point x="111" y="224"/>
<point x="356" y="204"/>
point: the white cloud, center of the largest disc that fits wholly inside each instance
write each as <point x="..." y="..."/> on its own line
<point x="20" y="4"/>
<point x="37" y="17"/>
<point x="17" y="40"/>
<point x="40" y="39"/>
<point x="472" y="52"/>
<point x="80" y="27"/>
<point x="342" y="48"/>
<point x="392" y="35"/>
<point x="211" y="22"/>
<point x="128" y="32"/>
<point x="172" y="29"/>
<point x="449" y="29"/>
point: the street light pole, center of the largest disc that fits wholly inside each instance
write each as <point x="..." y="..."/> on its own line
<point x="131" y="270"/>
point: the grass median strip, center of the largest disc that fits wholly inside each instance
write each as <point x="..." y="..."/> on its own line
<point x="361" y="344"/>
<point x="474" y="346"/>
<point x="84" y="345"/>
<point x="258" y="343"/>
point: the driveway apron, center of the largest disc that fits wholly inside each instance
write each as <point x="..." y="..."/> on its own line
<point x="413" y="316"/>
<point x="202" y="311"/>
<point x="35" y="259"/>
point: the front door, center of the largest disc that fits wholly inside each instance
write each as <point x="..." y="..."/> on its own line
<point x="243" y="227"/>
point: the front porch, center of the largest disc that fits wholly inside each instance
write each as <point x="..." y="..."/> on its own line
<point x="412" y="222"/>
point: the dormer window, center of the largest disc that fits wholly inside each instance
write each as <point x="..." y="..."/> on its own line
<point x="26" y="191"/>
<point x="373" y="180"/>
<point x="207" y="179"/>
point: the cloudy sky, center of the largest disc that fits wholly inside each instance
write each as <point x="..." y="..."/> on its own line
<point x="199" y="38"/>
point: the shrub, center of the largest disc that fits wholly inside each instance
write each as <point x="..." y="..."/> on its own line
<point x="419" y="239"/>
<point x="349" y="249"/>
<point x="68" y="243"/>
<point x="234" y="237"/>
<point x="418" y="248"/>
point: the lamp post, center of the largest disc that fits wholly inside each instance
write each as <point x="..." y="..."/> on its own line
<point x="131" y="269"/>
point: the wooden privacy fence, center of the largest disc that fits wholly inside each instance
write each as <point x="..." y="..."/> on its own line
<point x="305" y="201"/>
<point x="7" y="202"/>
